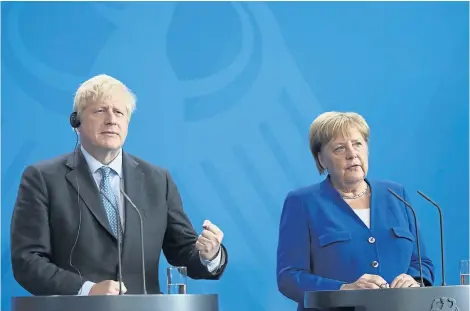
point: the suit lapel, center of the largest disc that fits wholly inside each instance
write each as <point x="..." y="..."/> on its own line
<point x="376" y="192"/>
<point x="133" y="187"/>
<point x="82" y="181"/>
<point x="380" y="211"/>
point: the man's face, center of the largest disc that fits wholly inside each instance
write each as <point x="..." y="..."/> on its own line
<point x="104" y="125"/>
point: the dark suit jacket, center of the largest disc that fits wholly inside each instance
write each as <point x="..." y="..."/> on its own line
<point x="58" y="195"/>
<point x="323" y="244"/>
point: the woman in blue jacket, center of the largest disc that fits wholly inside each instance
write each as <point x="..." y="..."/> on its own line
<point x="346" y="232"/>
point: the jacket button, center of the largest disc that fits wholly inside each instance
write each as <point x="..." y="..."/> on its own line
<point x="371" y="240"/>
<point x="375" y="264"/>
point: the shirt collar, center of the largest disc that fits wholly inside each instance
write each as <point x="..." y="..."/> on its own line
<point x="94" y="164"/>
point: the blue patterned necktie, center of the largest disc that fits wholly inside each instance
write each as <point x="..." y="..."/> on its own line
<point x="105" y="187"/>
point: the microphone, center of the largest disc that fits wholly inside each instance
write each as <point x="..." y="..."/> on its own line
<point x="442" y="233"/>
<point x="144" y="286"/>
<point x="119" y="231"/>
<point x="417" y="235"/>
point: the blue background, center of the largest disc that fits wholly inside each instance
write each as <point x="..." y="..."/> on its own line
<point x="226" y="93"/>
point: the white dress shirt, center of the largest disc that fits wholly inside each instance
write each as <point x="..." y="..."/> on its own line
<point x="115" y="178"/>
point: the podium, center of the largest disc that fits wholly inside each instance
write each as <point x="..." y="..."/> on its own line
<point x="438" y="298"/>
<point x="117" y="303"/>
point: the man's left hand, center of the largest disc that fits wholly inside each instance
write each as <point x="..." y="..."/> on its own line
<point x="208" y="243"/>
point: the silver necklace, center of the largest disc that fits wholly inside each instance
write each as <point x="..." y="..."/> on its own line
<point x="355" y="196"/>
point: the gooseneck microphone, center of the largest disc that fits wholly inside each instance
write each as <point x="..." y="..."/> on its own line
<point x="144" y="286"/>
<point x="417" y="236"/>
<point x="119" y="236"/>
<point x="442" y="234"/>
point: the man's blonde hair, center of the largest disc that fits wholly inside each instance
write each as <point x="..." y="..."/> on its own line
<point x="331" y="124"/>
<point x="103" y="87"/>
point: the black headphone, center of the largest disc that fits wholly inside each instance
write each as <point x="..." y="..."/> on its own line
<point x="74" y="120"/>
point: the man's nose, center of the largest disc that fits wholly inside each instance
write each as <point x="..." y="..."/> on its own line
<point x="110" y="117"/>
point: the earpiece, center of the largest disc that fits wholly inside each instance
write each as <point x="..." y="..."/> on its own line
<point x="74" y="120"/>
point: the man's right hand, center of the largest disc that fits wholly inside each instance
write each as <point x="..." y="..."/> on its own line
<point x="107" y="288"/>
<point x="367" y="281"/>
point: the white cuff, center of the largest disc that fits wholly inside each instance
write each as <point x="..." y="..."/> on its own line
<point x="86" y="288"/>
<point x="214" y="264"/>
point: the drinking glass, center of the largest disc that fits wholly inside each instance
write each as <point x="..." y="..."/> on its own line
<point x="464" y="272"/>
<point x="176" y="280"/>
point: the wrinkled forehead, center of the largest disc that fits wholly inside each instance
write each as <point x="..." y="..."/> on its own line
<point x="351" y="134"/>
<point x="110" y="102"/>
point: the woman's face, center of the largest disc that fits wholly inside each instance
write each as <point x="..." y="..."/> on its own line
<point x="346" y="158"/>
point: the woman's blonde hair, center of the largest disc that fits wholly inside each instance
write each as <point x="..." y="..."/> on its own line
<point x="329" y="125"/>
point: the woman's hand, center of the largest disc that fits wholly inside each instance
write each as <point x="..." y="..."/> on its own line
<point x="404" y="281"/>
<point x="367" y="281"/>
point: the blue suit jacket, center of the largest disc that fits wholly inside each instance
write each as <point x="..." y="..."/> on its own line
<point x="323" y="244"/>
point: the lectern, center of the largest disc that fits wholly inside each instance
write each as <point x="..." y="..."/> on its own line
<point x="117" y="303"/>
<point x="438" y="298"/>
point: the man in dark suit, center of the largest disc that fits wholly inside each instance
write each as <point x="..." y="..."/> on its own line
<point x="66" y="225"/>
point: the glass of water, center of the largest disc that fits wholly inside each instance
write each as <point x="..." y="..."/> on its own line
<point x="464" y="272"/>
<point x="176" y="280"/>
